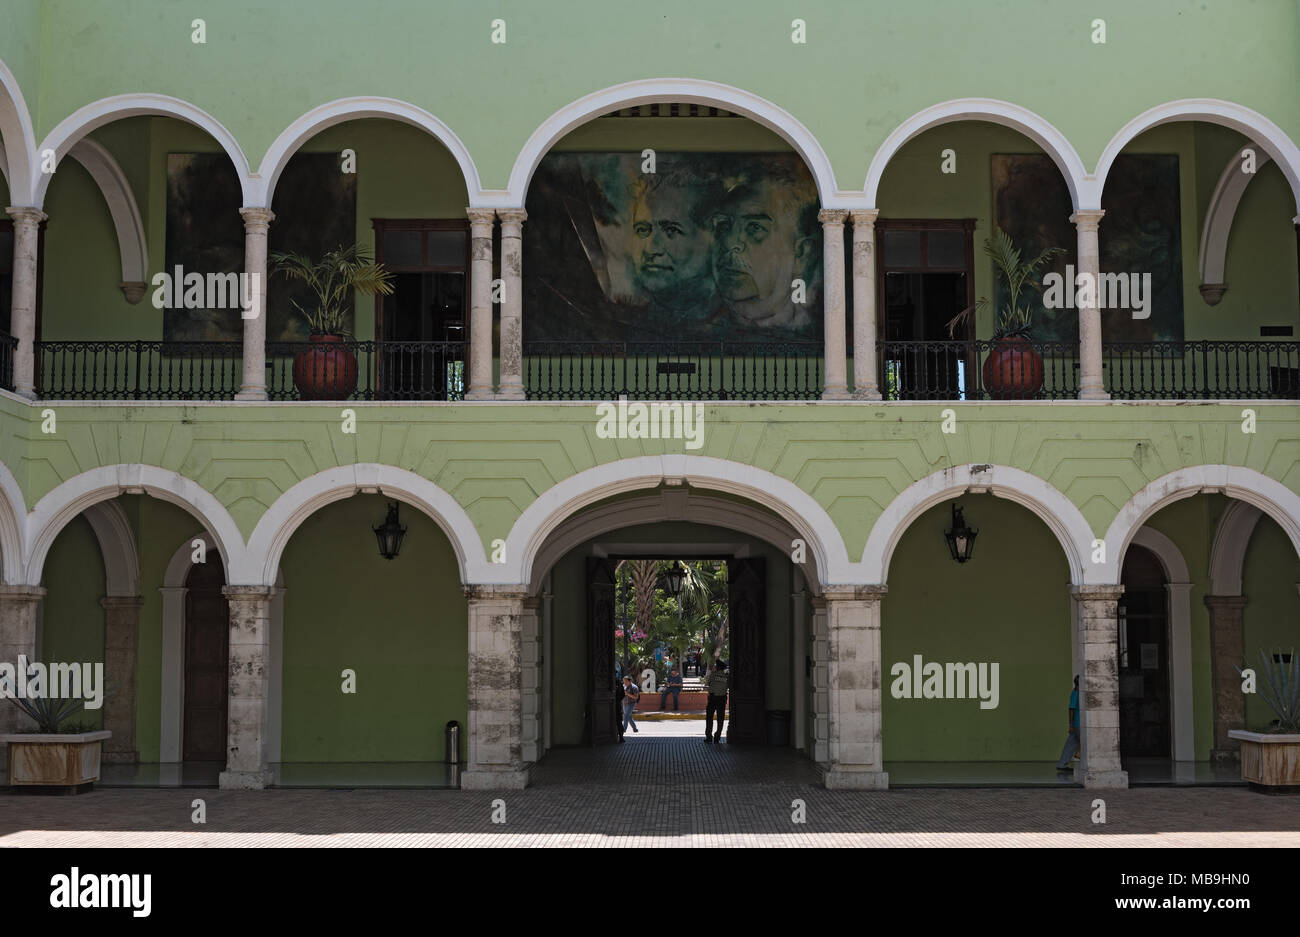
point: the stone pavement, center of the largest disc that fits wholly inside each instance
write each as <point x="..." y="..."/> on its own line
<point x="652" y="792"/>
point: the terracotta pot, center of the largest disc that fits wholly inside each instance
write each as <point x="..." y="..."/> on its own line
<point x="1013" y="370"/>
<point x="326" y="371"/>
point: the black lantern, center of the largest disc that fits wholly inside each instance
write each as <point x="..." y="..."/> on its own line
<point x="673" y="580"/>
<point x="390" y="533"/>
<point x="961" y="539"/>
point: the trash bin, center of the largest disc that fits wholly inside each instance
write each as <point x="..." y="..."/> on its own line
<point x="453" y="743"/>
<point x="778" y="728"/>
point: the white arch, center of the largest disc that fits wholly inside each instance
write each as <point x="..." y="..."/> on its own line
<point x="13" y="511"/>
<point x="786" y="499"/>
<point x="669" y="504"/>
<point x="271" y="536"/>
<point x="1051" y="506"/>
<point x="1178" y="598"/>
<point x="1272" y="497"/>
<point x="1219" y="217"/>
<point x="1250" y="124"/>
<point x="357" y="108"/>
<point x="669" y="90"/>
<point x="117" y="547"/>
<point x="56" y="509"/>
<point x="18" y="152"/>
<point x="106" y="110"/>
<point x="1228" y="553"/>
<point x="132" y="243"/>
<point x="991" y="110"/>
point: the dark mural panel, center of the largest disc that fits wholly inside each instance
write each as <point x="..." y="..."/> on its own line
<point x="315" y="210"/>
<point x="704" y="248"/>
<point x="1140" y="233"/>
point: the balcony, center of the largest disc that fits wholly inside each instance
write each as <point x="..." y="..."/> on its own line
<point x="596" y="371"/>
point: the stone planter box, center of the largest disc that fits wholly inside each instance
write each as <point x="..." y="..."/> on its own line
<point x="68" y="761"/>
<point x="1269" y="760"/>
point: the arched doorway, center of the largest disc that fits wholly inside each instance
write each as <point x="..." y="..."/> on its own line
<point x="207" y="640"/>
<point x="1144" y="708"/>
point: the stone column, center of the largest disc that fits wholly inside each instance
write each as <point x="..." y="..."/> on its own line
<point x="853" y="631"/>
<point x="530" y="655"/>
<point x="1098" y="637"/>
<point x="256" y="223"/>
<point x="19" y="610"/>
<point x="866" y="382"/>
<point x="121" y="625"/>
<point x="819" y="645"/>
<point x="1091" y="386"/>
<point x="496" y="762"/>
<point x="249" y="691"/>
<point x="480" y="304"/>
<point x="512" y="304"/>
<point x="799" y="642"/>
<point x="22" y="315"/>
<point x="1227" y="651"/>
<point x="833" y="302"/>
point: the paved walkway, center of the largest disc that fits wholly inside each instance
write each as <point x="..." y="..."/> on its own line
<point x="656" y="792"/>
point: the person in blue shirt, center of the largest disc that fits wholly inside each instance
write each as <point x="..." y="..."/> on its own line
<point x="1071" y="740"/>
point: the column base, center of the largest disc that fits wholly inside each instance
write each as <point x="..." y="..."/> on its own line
<point x="515" y="392"/>
<point x="1093" y="395"/>
<point x="120" y="758"/>
<point x="244" y="780"/>
<point x="841" y="779"/>
<point x="251" y="393"/>
<point x="1226" y="757"/>
<point x="489" y="779"/>
<point x="836" y="393"/>
<point x="867" y="393"/>
<point x="476" y="394"/>
<point x="1104" y="780"/>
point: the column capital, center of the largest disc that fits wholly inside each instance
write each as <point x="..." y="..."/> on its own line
<point x="21" y="593"/>
<point x="867" y="593"/>
<point x="833" y="216"/>
<point x="864" y="217"/>
<point x="481" y="216"/>
<point x="120" y="601"/>
<point x="254" y="216"/>
<point x="512" y="216"/>
<point x="1105" y="593"/>
<point x="491" y="592"/>
<point x="26" y="214"/>
<point x="1087" y="219"/>
<point x="248" y="593"/>
<point x="1225" y="601"/>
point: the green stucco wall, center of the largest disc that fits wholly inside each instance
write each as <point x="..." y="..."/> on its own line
<point x="72" y="625"/>
<point x="1271" y="618"/>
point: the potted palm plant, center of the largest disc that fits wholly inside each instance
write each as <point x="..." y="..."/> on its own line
<point x="328" y="369"/>
<point x="54" y="755"/>
<point x="1270" y="758"/>
<point x="1013" y="369"/>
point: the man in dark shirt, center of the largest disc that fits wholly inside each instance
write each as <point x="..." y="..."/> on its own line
<point x="716" y="683"/>
<point x="673" y="686"/>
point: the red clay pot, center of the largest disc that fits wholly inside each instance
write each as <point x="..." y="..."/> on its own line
<point x="326" y="371"/>
<point x="1013" y="370"/>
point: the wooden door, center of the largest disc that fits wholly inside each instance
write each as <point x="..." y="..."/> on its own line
<point x="747" y="624"/>
<point x="602" y="715"/>
<point x="207" y="667"/>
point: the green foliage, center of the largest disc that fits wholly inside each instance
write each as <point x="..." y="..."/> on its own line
<point x="332" y="279"/>
<point x="48" y="713"/>
<point x="1280" y="687"/>
<point x="1013" y="320"/>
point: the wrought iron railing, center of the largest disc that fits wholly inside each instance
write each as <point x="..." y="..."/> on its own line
<point x="384" y="370"/>
<point x="146" y="370"/>
<point x="138" y="370"/>
<point x="978" y="370"/>
<point x="673" y="370"/>
<point x="8" y="345"/>
<point x="1202" y="370"/>
<point x="983" y="370"/>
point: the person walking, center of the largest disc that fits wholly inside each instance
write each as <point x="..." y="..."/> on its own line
<point x="716" y="682"/>
<point x="631" y="693"/>
<point x="672" y="685"/>
<point x="1071" y="740"/>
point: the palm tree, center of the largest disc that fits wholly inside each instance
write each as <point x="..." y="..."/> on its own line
<point x="332" y="279"/>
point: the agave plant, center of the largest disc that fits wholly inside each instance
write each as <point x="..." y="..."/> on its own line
<point x="48" y="713"/>
<point x="1013" y="320"/>
<point x="1280" y="688"/>
<point x="332" y="279"/>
